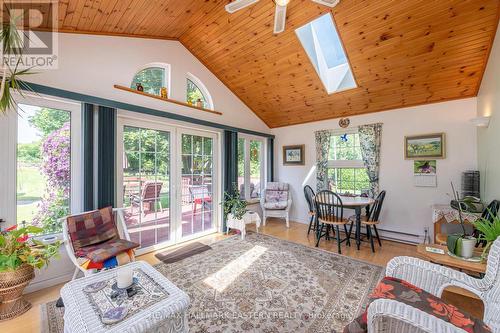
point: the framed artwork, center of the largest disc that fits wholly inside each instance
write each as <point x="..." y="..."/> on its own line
<point x="293" y="155"/>
<point x="428" y="146"/>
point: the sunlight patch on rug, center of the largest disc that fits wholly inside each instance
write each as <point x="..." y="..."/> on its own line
<point x="221" y="279"/>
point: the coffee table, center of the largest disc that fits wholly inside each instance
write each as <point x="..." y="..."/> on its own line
<point x="447" y="260"/>
<point x="159" y="307"/>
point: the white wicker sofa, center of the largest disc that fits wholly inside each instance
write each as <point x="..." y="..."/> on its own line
<point x="387" y="315"/>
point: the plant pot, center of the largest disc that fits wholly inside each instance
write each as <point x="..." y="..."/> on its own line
<point x="12" y="284"/>
<point x="468" y="246"/>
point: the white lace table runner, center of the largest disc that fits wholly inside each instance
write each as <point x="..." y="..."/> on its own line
<point x="450" y="214"/>
<point x="148" y="293"/>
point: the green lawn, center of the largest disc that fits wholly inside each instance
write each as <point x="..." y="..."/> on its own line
<point x="30" y="188"/>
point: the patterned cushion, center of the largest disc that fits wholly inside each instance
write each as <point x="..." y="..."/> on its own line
<point x="276" y="186"/>
<point x="92" y="227"/>
<point x="103" y="251"/>
<point x="276" y="205"/>
<point x="404" y="292"/>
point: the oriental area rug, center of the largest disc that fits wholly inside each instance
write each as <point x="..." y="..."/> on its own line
<point x="264" y="284"/>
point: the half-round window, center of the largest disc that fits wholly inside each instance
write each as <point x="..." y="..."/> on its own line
<point x="151" y="79"/>
<point x="197" y="94"/>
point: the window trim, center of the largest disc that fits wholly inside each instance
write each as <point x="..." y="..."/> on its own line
<point x="246" y="163"/>
<point x="345" y="164"/>
<point x="8" y="201"/>
<point x="166" y="80"/>
<point x="203" y="89"/>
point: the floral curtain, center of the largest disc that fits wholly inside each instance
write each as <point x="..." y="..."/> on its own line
<point x="370" y="138"/>
<point x="322" y="150"/>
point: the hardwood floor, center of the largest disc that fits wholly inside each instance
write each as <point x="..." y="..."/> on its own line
<point x="30" y="321"/>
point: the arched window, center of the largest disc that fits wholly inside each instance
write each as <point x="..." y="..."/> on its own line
<point x="152" y="79"/>
<point x="196" y="91"/>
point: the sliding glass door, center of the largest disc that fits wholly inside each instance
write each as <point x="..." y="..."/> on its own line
<point x="165" y="182"/>
<point x="145" y="184"/>
<point x="197" y="179"/>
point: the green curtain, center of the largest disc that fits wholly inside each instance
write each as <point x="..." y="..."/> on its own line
<point x="270" y="159"/>
<point x="230" y="163"/>
<point x="322" y="151"/>
<point x="88" y="155"/>
<point x="370" y="139"/>
<point x="106" y="157"/>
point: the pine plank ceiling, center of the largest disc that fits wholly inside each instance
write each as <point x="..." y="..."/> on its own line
<point x="402" y="52"/>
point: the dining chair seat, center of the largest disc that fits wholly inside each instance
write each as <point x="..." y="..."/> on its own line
<point x="332" y="220"/>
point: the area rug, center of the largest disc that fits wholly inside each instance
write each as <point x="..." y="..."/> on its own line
<point x="264" y="284"/>
<point x="169" y="257"/>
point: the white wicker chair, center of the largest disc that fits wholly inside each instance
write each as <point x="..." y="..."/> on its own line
<point x="386" y="315"/>
<point x="122" y="231"/>
<point x="283" y="213"/>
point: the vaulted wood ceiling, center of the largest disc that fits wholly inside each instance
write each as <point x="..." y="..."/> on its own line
<point x="402" y="52"/>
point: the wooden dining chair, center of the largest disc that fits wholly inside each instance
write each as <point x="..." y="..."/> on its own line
<point x="309" y="194"/>
<point x="373" y="219"/>
<point x="330" y="215"/>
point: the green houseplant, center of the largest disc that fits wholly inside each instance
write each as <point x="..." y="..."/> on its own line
<point x="489" y="231"/>
<point x="19" y="255"/>
<point x="462" y="245"/>
<point x="234" y="205"/>
<point x="12" y="45"/>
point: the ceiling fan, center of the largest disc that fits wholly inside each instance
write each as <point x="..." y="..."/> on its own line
<point x="280" y="14"/>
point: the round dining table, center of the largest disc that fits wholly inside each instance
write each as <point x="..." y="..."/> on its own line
<point x="357" y="203"/>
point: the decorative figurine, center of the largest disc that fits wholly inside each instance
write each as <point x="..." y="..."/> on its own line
<point x="139" y="87"/>
<point x="163" y="93"/>
<point x="344" y="122"/>
<point x="199" y="103"/>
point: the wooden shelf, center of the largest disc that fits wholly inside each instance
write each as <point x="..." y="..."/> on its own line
<point x="166" y="99"/>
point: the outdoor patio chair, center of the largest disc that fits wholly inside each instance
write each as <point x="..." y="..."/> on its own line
<point x="149" y="195"/>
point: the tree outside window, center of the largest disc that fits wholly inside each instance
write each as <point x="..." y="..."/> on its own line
<point x="194" y="93"/>
<point x="152" y="79"/>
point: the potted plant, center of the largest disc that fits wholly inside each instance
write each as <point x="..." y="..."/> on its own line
<point x="20" y="254"/>
<point x="12" y="46"/>
<point x="462" y="245"/>
<point x="234" y="207"/>
<point x="489" y="231"/>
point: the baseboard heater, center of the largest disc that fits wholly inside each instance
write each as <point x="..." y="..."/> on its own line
<point x="417" y="240"/>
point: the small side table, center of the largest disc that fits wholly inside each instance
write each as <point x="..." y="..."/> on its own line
<point x="249" y="218"/>
<point x="447" y="260"/>
<point x="161" y="308"/>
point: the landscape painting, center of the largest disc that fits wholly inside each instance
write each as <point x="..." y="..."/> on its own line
<point x="425" y="146"/>
<point x="293" y="155"/>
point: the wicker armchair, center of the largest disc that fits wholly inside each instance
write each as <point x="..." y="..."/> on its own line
<point x="394" y="316"/>
<point x="276" y="202"/>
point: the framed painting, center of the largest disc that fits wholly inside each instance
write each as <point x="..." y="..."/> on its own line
<point x="428" y="146"/>
<point x="293" y="155"/>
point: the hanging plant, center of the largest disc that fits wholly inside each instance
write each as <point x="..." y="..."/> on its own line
<point x="12" y="45"/>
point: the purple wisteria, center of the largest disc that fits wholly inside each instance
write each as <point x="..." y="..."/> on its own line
<point x="56" y="167"/>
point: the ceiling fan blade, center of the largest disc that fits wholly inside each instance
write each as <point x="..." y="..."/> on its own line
<point x="329" y="3"/>
<point x="279" y="19"/>
<point x="239" y="4"/>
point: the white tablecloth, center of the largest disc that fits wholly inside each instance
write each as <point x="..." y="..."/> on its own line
<point x="450" y="214"/>
<point x="168" y="315"/>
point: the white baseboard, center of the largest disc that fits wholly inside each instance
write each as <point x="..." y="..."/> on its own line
<point x="39" y="285"/>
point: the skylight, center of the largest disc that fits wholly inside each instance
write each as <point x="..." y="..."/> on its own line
<point x="322" y="43"/>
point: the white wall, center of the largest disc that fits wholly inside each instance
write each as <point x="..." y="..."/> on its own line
<point x="488" y="101"/>
<point x="406" y="208"/>
<point x="93" y="64"/>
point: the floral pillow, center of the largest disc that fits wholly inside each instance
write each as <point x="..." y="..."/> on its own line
<point x="404" y="292"/>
